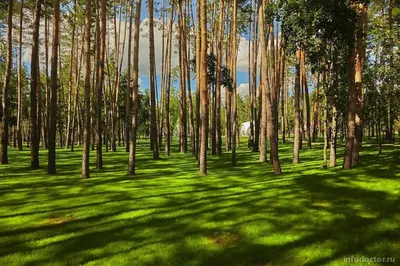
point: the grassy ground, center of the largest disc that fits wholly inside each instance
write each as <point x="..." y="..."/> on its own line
<point x="169" y="215"/>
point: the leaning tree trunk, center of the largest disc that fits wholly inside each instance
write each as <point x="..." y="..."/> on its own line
<point x="52" y="130"/>
<point x="6" y="87"/>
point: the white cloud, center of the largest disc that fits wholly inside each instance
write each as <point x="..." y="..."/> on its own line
<point x="242" y="90"/>
<point x="243" y="55"/>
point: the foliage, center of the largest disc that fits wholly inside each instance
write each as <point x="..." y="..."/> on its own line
<point x="226" y="79"/>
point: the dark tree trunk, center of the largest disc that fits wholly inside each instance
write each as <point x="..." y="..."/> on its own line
<point x="86" y="112"/>
<point x="297" y="113"/>
<point x="6" y="87"/>
<point x="19" y="111"/>
<point x="35" y="88"/>
<point x="135" y="88"/>
<point x="51" y="167"/>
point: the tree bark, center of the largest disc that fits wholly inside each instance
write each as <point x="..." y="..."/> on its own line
<point x="128" y="86"/>
<point x="135" y="88"/>
<point x="203" y="89"/>
<point x="233" y="73"/>
<point x="297" y="113"/>
<point x="182" y="84"/>
<point x="189" y="89"/>
<point x="19" y="97"/>
<point x="35" y="87"/>
<point x="316" y="111"/>
<point x="218" y="131"/>
<point x="307" y="99"/>
<point x="167" y="129"/>
<point x="359" y="65"/>
<point x="46" y="116"/>
<point x="51" y="167"/>
<point x="86" y="109"/>
<point x="263" y="84"/>
<point x="334" y="126"/>
<point x="100" y="81"/>
<point x="6" y="87"/>
<point x="153" y="118"/>
<point x="269" y="99"/>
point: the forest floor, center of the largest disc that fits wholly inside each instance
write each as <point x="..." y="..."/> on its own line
<point x="169" y="215"/>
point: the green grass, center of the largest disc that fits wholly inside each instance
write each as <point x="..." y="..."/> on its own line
<point x="169" y="215"/>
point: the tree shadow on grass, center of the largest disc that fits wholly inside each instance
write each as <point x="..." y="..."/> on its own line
<point x="168" y="215"/>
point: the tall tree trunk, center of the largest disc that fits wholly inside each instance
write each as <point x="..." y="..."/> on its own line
<point x="270" y="99"/>
<point x="357" y="54"/>
<point x="284" y="99"/>
<point x="307" y="98"/>
<point x="135" y="89"/>
<point x="182" y="84"/>
<point x="163" y="63"/>
<point x="332" y="157"/>
<point x="263" y="81"/>
<point x="51" y="167"/>
<point x="153" y="118"/>
<point x="297" y="113"/>
<point x="115" y="94"/>
<point x="187" y="54"/>
<point x="69" y="110"/>
<point x="167" y="129"/>
<point x="100" y="80"/>
<point x="128" y="86"/>
<point x="233" y="73"/>
<point x="19" y="108"/>
<point x="362" y="11"/>
<point x="218" y="131"/>
<point x="316" y="111"/>
<point x="203" y="89"/>
<point x="250" y="71"/>
<point x="326" y="125"/>
<point x="45" y="121"/>
<point x="198" y="79"/>
<point x="61" y="100"/>
<point x="86" y="111"/>
<point x="35" y="88"/>
<point x="6" y="87"/>
<point x="256" y="113"/>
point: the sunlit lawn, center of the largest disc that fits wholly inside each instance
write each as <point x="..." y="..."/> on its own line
<point x="169" y="215"/>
